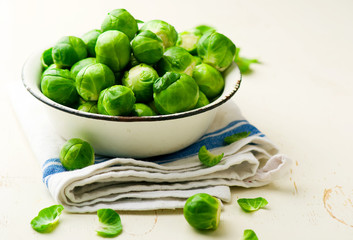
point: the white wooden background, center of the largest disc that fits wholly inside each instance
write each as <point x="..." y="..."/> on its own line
<point x="301" y="97"/>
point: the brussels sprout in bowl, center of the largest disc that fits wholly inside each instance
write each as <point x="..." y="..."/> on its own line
<point x="129" y="136"/>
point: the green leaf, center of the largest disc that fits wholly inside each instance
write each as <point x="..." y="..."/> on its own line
<point x="139" y="21"/>
<point x="208" y="159"/>
<point x="244" y="63"/>
<point x="110" y="223"/>
<point x="236" y="137"/>
<point x="47" y="219"/>
<point x="252" y="204"/>
<point x="249" y="235"/>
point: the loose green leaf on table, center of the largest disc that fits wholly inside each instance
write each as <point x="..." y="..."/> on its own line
<point x="252" y="204"/>
<point x="110" y="223"/>
<point x="249" y="235"/>
<point x="47" y="219"/>
<point x="208" y="159"/>
<point x="244" y="63"/>
<point x="236" y="137"/>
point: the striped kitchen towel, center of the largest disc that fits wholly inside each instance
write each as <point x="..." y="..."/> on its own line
<point x="163" y="182"/>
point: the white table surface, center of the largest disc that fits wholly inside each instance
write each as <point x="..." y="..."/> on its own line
<point x="300" y="96"/>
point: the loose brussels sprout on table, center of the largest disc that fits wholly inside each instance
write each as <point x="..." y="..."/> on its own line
<point x="202" y="211"/>
<point x="121" y="70"/>
<point x="76" y="154"/>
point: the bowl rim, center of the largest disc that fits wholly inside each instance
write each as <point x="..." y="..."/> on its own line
<point x="41" y="97"/>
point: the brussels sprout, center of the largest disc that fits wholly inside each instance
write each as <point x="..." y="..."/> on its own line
<point x="133" y="62"/>
<point x="163" y="30"/>
<point x="69" y="50"/>
<point x="113" y="49"/>
<point x="76" y="154"/>
<point x="90" y="39"/>
<point x="141" y="109"/>
<point x="203" y="29"/>
<point x="121" y="20"/>
<point x="202" y="101"/>
<point x="76" y="68"/>
<point x="188" y="40"/>
<point x="174" y="93"/>
<point x="147" y="47"/>
<point x="92" y="79"/>
<point x="47" y="219"/>
<point x="216" y="49"/>
<point x="198" y="60"/>
<point x="59" y="86"/>
<point x="47" y="58"/>
<point x="90" y="107"/>
<point x="176" y="59"/>
<point x="116" y="101"/>
<point x="202" y="211"/>
<point x="209" y="79"/>
<point x="110" y="223"/>
<point x="140" y="79"/>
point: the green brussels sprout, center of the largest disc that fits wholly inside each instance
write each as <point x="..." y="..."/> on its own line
<point x="202" y="101"/>
<point x="202" y="29"/>
<point x="176" y="59"/>
<point x="140" y="79"/>
<point x="76" y="154"/>
<point x="116" y="101"/>
<point x="198" y="60"/>
<point x="141" y="109"/>
<point x="76" y="68"/>
<point x="90" y="107"/>
<point x="47" y="58"/>
<point x="216" y="49"/>
<point x="189" y="39"/>
<point x="174" y="93"/>
<point x="163" y="30"/>
<point x="59" y="86"/>
<point x="133" y="62"/>
<point x="113" y="50"/>
<point x="209" y="79"/>
<point x="202" y="211"/>
<point x="92" y="79"/>
<point x="147" y="47"/>
<point x="121" y="20"/>
<point x="69" y="50"/>
<point x="90" y="39"/>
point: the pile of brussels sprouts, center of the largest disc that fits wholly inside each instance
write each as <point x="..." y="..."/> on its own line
<point x="127" y="70"/>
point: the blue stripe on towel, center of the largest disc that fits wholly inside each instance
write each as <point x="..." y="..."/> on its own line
<point x="211" y="140"/>
<point x="53" y="166"/>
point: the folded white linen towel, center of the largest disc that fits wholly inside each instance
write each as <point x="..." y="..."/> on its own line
<point x="163" y="182"/>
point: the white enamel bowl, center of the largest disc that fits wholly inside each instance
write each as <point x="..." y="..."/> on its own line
<point x="137" y="137"/>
